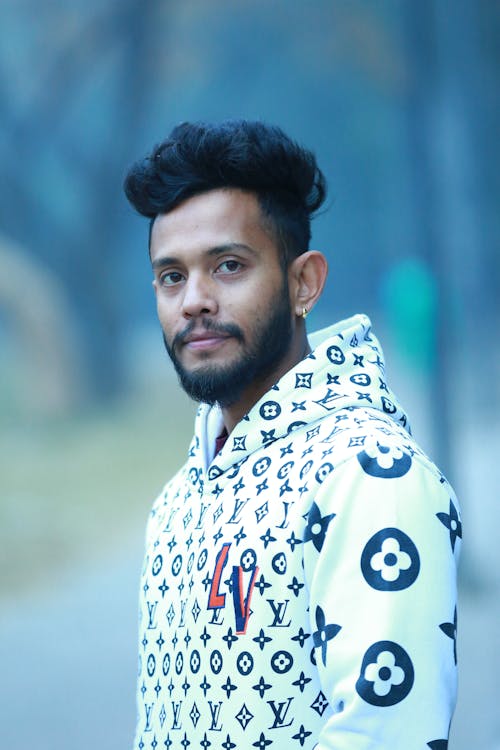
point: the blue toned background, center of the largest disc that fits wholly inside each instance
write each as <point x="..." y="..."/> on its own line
<point x="399" y="101"/>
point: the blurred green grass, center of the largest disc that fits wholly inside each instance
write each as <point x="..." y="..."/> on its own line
<point x="71" y="487"/>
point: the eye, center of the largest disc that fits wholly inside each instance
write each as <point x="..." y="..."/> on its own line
<point x="170" y="278"/>
<point x="229" y="266"/>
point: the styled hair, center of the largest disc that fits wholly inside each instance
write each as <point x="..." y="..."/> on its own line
<point x="251" y="156"/>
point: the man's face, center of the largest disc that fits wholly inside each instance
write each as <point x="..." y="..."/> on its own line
<point x="222" y="296"/>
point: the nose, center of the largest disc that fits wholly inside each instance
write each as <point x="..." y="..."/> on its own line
<point x="199" y="297"/>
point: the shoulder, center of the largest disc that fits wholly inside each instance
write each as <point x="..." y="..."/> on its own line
<point x="370" y="454"/>
<point x="384" y="487"/>
<point x="382" y="447"/>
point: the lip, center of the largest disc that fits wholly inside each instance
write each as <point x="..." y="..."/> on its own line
<point x="204" y="341"/>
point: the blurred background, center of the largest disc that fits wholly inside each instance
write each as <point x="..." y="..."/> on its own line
<point x="399" y="101"/>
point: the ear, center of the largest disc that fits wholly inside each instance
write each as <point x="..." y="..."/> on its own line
<point x="307" y="276"/>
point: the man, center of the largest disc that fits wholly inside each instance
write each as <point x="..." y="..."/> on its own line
<point x="299" y="581"/>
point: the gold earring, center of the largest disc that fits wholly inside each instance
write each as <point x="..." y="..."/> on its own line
<point x="304" y="312"/>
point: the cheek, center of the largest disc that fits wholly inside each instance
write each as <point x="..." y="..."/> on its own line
<point x="160" y="312"/>
<point x="254" y="322"/>
<point x="164" y="316"/>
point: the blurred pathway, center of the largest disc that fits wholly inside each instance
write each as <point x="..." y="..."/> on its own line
<point x="476" y="725"/>
<point x="68" y="657"/>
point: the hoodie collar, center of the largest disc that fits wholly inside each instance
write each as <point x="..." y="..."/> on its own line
<point x="346" y="369"/>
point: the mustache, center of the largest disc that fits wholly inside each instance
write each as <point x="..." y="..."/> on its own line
<point x="229" y="329"/>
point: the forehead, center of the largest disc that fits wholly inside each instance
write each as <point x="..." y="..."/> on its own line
<point x="210" y="219"/>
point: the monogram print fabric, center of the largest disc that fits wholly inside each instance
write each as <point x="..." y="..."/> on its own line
<point x="298" y="588"/>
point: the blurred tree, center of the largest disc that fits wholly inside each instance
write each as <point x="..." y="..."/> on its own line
<point x="47" y="363"/>
<point x="65" y="138"/>
<point x="409" y="296"/>
<point x="446" y="62"/>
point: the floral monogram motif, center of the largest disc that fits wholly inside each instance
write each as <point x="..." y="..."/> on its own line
<point x="390" y="560"/>
<point x="384" y="453"/>
<point x="270" y="410"/>
<point x="384" y="673"/>
<point x="384" y="458"/>
<point x="387" y="674"/>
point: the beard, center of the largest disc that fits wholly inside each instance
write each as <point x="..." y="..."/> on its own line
<point x="269" y="342"/>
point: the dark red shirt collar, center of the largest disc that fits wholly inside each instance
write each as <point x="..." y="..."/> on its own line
<point x="220" y="441"/>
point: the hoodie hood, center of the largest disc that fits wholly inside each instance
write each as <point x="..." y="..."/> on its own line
<point x="345" y="370"/>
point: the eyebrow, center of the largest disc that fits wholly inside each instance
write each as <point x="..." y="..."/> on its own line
<point x="217" y="250"/>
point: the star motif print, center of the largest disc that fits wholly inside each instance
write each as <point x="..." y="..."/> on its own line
<point x="450" y="629"/>
<point x="453" y="523"/>
<point x="317" y="526"/>
<point x="324" y="633"/>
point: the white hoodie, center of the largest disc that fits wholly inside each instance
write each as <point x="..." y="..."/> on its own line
<point x="299" y="588"/>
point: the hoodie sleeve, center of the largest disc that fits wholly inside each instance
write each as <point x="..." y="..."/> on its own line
<point x="380" y="556"/>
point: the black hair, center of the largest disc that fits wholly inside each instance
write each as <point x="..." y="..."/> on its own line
<point x="251" y="156"/>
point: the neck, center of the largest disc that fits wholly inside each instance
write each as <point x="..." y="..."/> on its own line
<point x="235" y="412"/>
